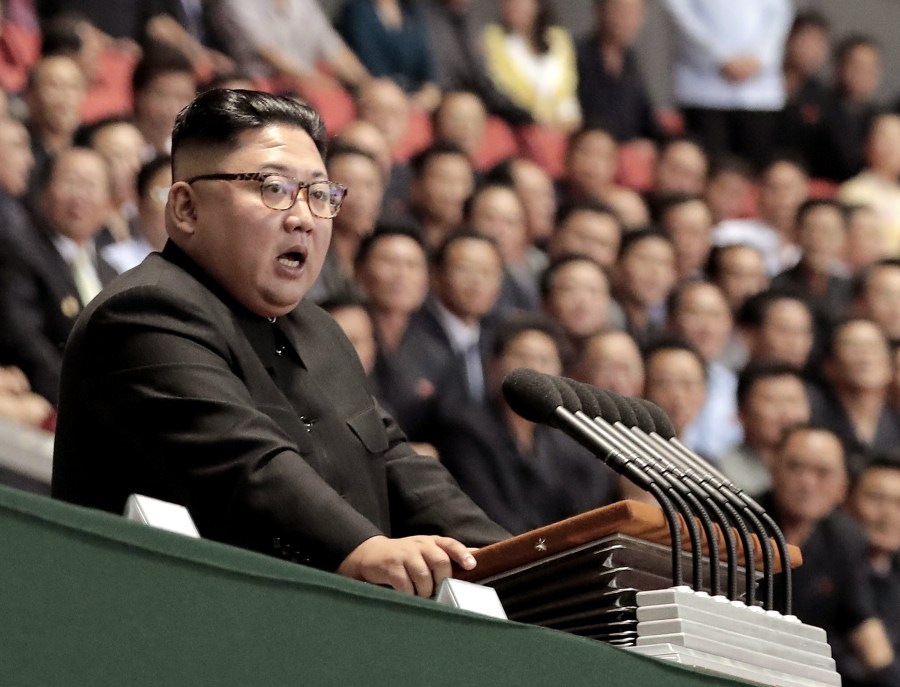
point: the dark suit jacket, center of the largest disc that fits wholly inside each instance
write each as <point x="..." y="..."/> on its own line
<point x="267" y="434"/>
<point x="522" y="492"/>
<point x="38" y="299"/>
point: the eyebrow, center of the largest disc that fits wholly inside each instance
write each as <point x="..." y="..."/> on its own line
<point x="289" y="171"/>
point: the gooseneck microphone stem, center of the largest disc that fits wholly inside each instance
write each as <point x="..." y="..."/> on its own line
<point x="722" y="500"/>
<point x="753" y="512"/>
<point x="575" y="427"/>
<point x="725" y="484"/>
<point x="617" y="433"/>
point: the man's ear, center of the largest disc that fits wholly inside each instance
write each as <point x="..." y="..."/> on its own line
<point x="181" y="211"/>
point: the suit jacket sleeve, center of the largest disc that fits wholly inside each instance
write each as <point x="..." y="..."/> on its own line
<point x="167" y="386"/>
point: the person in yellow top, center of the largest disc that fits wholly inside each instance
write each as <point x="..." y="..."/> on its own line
<point x="532" y="62"/>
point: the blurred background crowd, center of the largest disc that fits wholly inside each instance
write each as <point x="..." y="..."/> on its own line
<point x="520" y="196"/>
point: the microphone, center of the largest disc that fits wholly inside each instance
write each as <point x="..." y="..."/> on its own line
<point x="663" y="434"/>
<point x="536" y="398"/>
<point x="614" y="412"/>
<point x="675" y="489"/>
<point x="633" y="409"/>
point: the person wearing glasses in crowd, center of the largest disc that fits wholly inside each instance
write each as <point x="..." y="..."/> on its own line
<point x="262" y="424"/>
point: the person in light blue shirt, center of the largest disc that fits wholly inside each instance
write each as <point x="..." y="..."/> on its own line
<point x="728" y="71"/>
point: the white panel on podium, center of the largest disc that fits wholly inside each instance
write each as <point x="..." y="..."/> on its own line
<point x="161" y="514"/>
<point x="470" y="597"/>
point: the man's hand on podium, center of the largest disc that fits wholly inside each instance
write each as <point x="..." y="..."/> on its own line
<point x="415" y="565"/>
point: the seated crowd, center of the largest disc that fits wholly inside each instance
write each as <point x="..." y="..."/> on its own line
<point x="516" y="200"/>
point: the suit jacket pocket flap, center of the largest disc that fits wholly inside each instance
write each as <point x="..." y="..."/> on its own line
<point x="367" y="426"/>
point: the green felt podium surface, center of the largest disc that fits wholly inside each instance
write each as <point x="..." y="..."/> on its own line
<point x="89" y="599"/>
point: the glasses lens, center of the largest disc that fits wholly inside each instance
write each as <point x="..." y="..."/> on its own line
<point x="325" y="198"/>
<point x="278" y="193"/>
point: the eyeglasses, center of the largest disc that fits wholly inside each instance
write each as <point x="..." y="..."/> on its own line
<point x="279" y="192"/>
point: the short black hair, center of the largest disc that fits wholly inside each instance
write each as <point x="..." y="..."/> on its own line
<point x="61" y="34"/>
<point x="811" y="426"/>
<point x="759" y="370"/>
<point x="584" y="132"/>
<point x="160" y="61"/>
<point x="483" y="188"/>
<point x="341" y="149"/>
<point x="420" y="160"/>
<point x="835" y="331"/>
<point x="676" y="295"/>
<point x="384" y="231"/>
<point x="558" y="263"/>
<point x="811" y="204"/>
<point x="713" y="266"/>
<point x="465" y="233"/>
<point x="84" y="134"/>
<point x="674" y="343"/>
<point x="631" y="238"/>
<point x="517" y="323"/>
<point x="755" y="309"/>
<point x="851" y="42"/>
<point x="810" y="19"/>
<point x="218" y="116"/>
<point x="568" y="209"/>
<point x="874" y="459"/>
<point x="861" y="282"/>
<point x="673" y="200"/>
<point x="341" y="300"/>
<point x="149" y="170"/>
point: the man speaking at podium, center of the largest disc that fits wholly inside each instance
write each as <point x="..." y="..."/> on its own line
<point x="202" y="378"/>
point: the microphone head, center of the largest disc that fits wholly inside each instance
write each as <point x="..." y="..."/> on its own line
<point x="608" y="409"/>
<point x="663" y="424"/>
<point x="532" y="395"/>
<point x="585" y="394"/>
<point x="570" y="399"/>
<point x="624" y="407"/>
<point x="644" y="418"/>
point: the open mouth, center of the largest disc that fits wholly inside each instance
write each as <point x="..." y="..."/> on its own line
<point x="293" y="259"/>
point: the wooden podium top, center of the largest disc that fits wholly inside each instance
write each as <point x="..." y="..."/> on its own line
<point x="641" y="520"/>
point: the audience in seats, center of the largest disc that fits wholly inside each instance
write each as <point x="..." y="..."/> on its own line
<point x="874" y="502"/>
<point x="55" y="92"/>
<point x="459" y="60"/>
<point x="442" y="180"/>
<point x="163" y="84"/>
<point x="50" y="270"/>
<point x="777" y="325"/>
<point x="152" y="187"/>
<point x="676" y="382"/>
<point x="642" y="279"/>
<point x="611" y="89"/>
<point x="681" y="167"/>
<point x="836" y="144"/>
<point x="532" y="62"/>
<point x="831" y="588"/>
<point x="821" y="235"/>
<point x="853" y="401"/>
<point x="688" y="222"/>
<point x="538" y="196"/>
<point x="727" y="75"/>
<point x="390" y="39"/>
<point x="122" y="145"/>
<point x="392" y="270"/>
<point x="358" y="170"/>
<point x="729" y="189"/>
<point x="590" y="228"/>
<point x="575" y="294"/>
<point x="495" y="210"/>
<point x="866" y="239"/>
<point x="783" y="189"/>
<point x="262" y="39"/>
<point x="611" y="360"/>
<point x="461" y="118"/>
<point x="383" y="103"/>
<point x="877" y="296"/>
<point x="771" y="396"/>
<point x="504" y="461"/>
<point x="877" y="186"/>
<point x="699" y="314"/>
